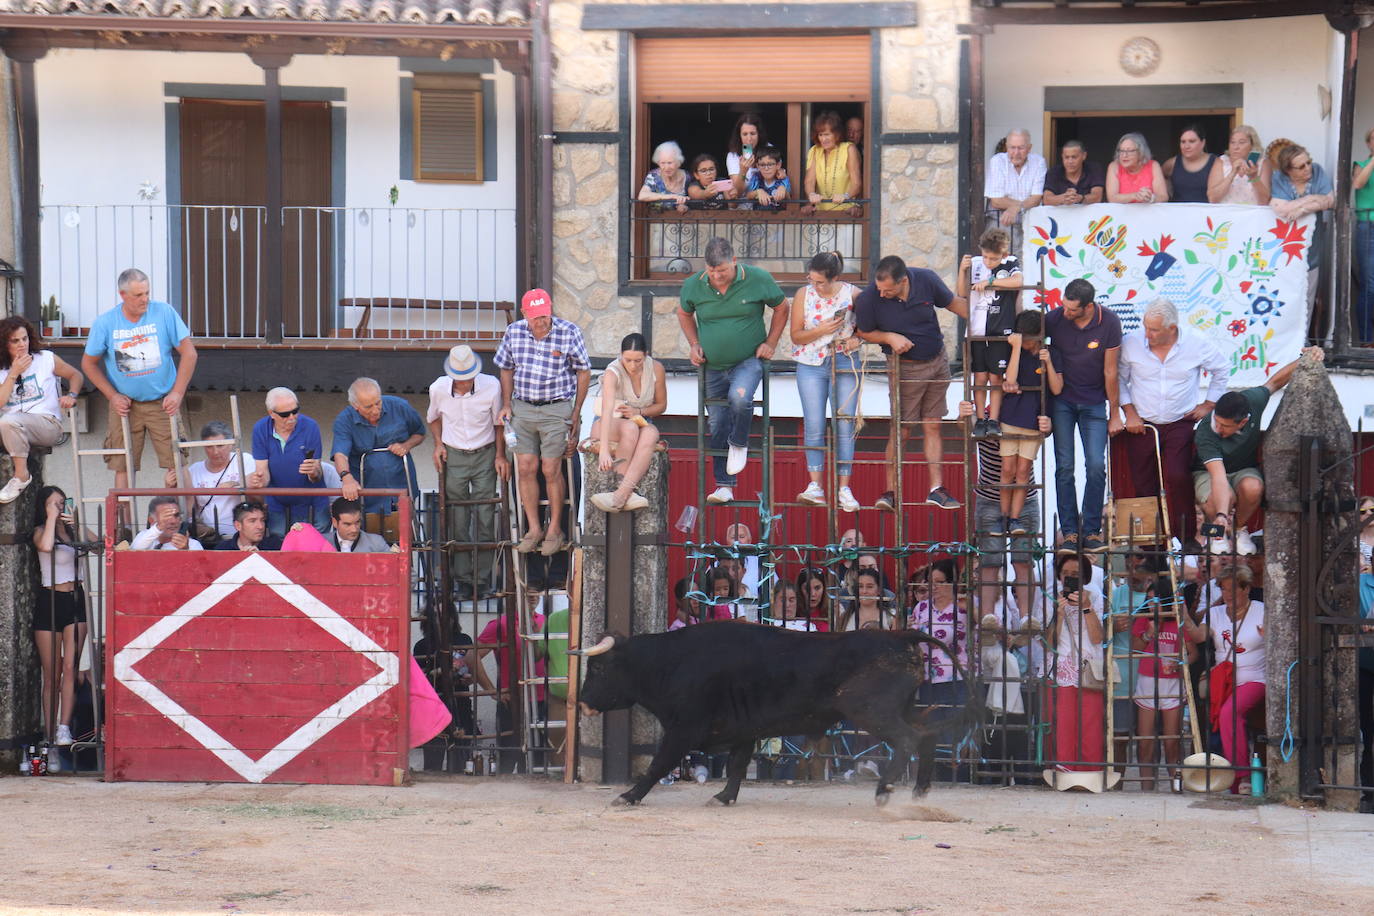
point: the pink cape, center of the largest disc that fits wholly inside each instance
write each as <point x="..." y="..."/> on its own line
<point x="428" y="714"/>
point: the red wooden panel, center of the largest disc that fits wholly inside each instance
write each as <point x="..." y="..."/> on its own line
<point x="280" y="667"/>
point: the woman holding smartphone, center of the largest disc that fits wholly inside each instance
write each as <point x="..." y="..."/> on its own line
<point x="1078" y="698"/>
<point x="822" y="329"/>
<point x="747" y="137"/>
<point x="59" y="613"/>
<point x="31" y="379"/>
<point x="1245" y="171"/>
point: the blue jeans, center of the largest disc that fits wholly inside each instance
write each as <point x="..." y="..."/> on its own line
<point x="1091" y="421"/>
<point x="1362" y="330"/>
<point x="813" y="387"/>
<point x="730" y="422"/>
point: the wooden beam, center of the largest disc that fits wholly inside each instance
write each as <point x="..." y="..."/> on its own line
<point x="276" y="28"/>
<point x="747" y="17"/>
<point x="30" y="206"/>
<point x="242" y="44"/>
<point x="1341" y="254"/>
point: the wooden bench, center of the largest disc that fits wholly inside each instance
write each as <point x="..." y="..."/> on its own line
<point x="447" y="305"/>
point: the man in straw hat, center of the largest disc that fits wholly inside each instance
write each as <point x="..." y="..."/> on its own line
<point x="470" y="454"/>
<point x="545" y="374"/>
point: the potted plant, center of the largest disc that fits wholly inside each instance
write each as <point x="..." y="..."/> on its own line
<point x="51" y="315"/>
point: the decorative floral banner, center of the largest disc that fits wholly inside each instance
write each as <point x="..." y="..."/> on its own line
<point x="1235" y="273"/>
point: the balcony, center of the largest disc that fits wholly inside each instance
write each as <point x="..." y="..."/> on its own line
<point x="367" y="276"/>
<point x="665" y="244"/>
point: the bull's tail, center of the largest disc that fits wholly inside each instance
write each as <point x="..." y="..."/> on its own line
<point x="975" y="710"/>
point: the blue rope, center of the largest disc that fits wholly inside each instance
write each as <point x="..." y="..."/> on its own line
<point x="1286" y="745"/>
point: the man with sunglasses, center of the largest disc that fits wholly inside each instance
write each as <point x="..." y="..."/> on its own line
<point x="287" y="449"/>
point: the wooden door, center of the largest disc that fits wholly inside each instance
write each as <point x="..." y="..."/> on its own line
<point x="223" y="177"/>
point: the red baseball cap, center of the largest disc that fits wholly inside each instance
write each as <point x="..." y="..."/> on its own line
<point x="536" y="303"/>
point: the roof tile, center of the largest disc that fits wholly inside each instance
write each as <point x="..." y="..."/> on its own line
<point x="411" y="12"/>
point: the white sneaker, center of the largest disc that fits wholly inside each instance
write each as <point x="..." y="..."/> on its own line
<point x="11" y="490"/>
<point x="54" y="760"/>
<point x="1244" y="545"/>
<point x="701" y="774"/>
<point x="813" y="495"/>
<point x="1219" y="546"/>
<point x="846" y="500"/>
<point x="63" y="736"/>
<point x="736" y="460"/>
<point x="721" y="495"/>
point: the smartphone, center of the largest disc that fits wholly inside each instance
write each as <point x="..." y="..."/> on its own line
<point x="1213" y="530"/>
<point x="309" y="454"/>
<point x="1254" y="157"/>
<point x="748" y="151"/>
<point x="722" y="184"/>
<point x="840" y="313"/>
<point x="1071" y="585"/>
<point x="69" y="506"/>
<point x="185" y="527"/>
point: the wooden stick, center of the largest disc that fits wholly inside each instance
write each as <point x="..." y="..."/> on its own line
<point x="570" y="716"/>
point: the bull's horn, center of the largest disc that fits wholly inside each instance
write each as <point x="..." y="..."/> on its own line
<point x="607" y="644"/>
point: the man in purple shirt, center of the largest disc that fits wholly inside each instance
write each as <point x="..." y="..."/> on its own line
<point x="545" y="373"/>
<point x="1085" y="343"/>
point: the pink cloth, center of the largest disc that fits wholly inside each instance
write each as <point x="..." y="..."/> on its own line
<point x="1234" y="737"/>
<point x="1126" y="183"/>
<point x="304" y="538"/>
<point x="428" y="714"/>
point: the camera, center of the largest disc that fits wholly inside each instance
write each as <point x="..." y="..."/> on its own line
<point x="1071" y="585"/>
<point x="309" y="454"/>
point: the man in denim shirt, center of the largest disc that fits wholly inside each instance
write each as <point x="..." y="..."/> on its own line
<point x="384" y="428"/>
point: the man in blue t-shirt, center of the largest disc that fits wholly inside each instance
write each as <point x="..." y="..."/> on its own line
<point x="897" y="310"/>
<point x="129" y="358"/>
<point x="1085" y="345"/>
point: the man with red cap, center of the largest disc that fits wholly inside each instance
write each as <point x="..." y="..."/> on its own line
<point x="545" y="373"/>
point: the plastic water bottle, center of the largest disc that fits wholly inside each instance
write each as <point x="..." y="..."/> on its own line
<point x="1256" y="776"/>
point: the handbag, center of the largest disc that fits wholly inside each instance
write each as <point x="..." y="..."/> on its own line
<point x="1092" y="673"/>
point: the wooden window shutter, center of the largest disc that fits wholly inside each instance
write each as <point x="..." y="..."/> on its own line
<point x="754" y="68"/>
<point x="448" y="127"/>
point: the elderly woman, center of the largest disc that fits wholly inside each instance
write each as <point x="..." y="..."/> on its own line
<point x="633" y="391"/>
<point x="1236" y="628"/>
<point x="1190" y="173"/>
<point x="31" y="380"/>
<point x="1244" y="172"/>
<point x="833" y="174"/>
<point x="1364" y="244"/>
<point x="666" y="185"/>
<point x="214" y="515"/>
<point x="1133" y="177"/>
<point x="287" y="453"/>
<point x="1300" y="187"/>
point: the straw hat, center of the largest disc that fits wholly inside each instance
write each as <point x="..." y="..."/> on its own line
<point x="462" y="364"/>
<point x="1089" y="780"/>
<point x="1198" y="778"/>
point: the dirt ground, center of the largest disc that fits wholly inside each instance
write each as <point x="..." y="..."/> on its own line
<point x="508" y="845"/>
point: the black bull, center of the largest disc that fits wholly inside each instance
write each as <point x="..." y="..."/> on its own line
<point x="724" y="686"/>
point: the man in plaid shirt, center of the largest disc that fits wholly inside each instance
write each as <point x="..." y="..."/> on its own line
<point x="544" y="377"/>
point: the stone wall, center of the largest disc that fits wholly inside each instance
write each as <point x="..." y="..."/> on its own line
<point x="918" y="191"/>
<point x="20" y="681"/>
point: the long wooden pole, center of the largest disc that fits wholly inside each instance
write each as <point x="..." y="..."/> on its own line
<point x="570" y="715"/>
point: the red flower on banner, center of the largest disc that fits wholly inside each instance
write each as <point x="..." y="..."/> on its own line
<point x="1292" y="238"/>
<point x="1146" y="251"/>
<point x="1051" y="298"/>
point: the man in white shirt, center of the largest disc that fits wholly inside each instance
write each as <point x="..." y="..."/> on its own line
<point x="1160" y="374"/>
<point x="469" y="454"/>
<point x="164" y="528"/>
<point x="1015" y="181"/>
<point x="348" y="535"/>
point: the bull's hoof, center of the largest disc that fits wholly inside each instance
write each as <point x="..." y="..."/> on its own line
<point x="883" y="797"/>
<point x="919" y="791"/>
<point x="624" y="801"/>
<point x="723" y="799"/>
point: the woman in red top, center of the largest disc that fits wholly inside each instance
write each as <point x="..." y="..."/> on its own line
<point x="1159" y="684"/>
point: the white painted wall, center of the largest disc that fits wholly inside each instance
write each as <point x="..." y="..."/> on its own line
<point x="1280" y="61"/>
<point x="103" y="134"/>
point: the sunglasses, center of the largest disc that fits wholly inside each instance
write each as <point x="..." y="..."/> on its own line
<point x="287" y="413"/>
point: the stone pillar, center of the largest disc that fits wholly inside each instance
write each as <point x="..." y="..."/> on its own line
<point x="648" y="611"/>
<point x="20" y="696"/>
<point x="1310" y="410"/>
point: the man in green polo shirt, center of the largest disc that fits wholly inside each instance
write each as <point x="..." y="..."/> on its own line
<point x="721" y="314"/>
<point x="1226" y="471"/>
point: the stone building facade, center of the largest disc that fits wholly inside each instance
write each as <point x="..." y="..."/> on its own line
<point x="916" y="92"/>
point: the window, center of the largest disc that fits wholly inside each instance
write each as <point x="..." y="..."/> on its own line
<point x="448" y="141"/>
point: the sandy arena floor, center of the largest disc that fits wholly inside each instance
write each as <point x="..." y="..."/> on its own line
<point x="463" y="844"/>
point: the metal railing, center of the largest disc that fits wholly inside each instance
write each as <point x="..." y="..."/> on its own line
<point x="347" y="272"/>
<point x="668" y="243"/>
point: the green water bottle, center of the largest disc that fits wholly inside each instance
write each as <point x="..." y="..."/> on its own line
<point x="1256" y="775"/>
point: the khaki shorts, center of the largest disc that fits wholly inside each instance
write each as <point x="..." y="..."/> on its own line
<point x="1017" y="440"/>
<point x="144" y="417"/>
<point x="541" y="429"/>
<point x="922" y="387"/>
<point x="1202" y="482"/>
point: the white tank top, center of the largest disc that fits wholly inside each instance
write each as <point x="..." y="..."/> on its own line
<point x="36" y="389"/>
<point x="61" y="568"/>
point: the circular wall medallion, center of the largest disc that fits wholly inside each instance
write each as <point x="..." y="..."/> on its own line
<point x="1140" y="56"/>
